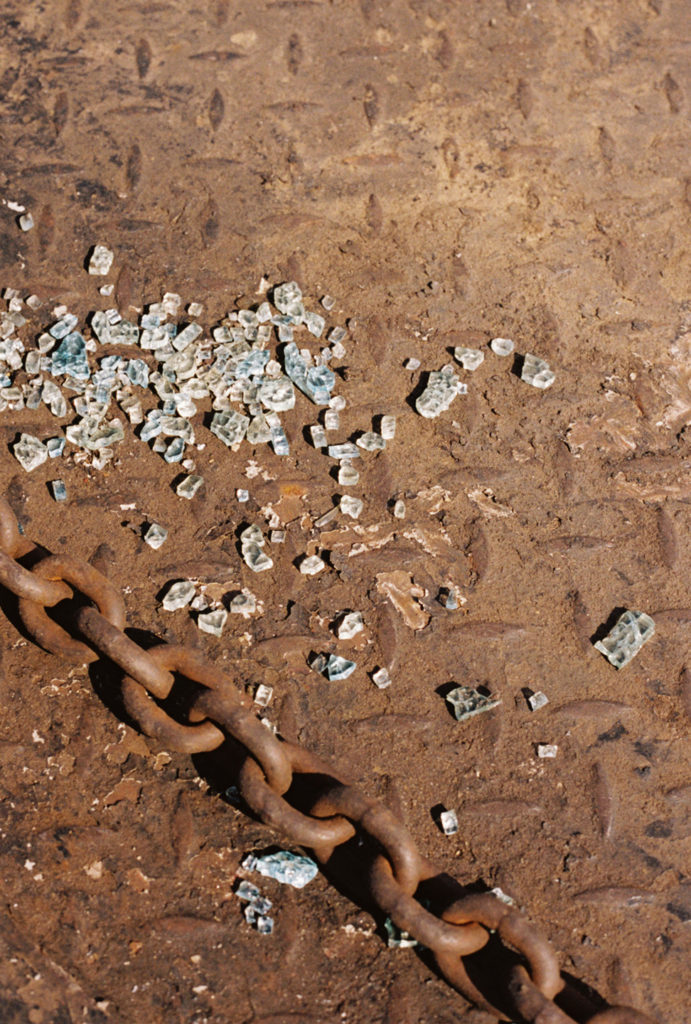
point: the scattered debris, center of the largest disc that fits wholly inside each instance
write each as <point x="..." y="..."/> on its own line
<point x="101" y="260"/>
<point x="397" y="938"/>
<point x="252" y="542"/>
<point x="442" y="387"/>
<point x="381" y="678"/>
<point x="263" y="695"/>
<point x="285" y="867"/>
<point x="349" y="626"/>
<point x="213" y="622"/>
<point x="623" y="642"/>
<point x="501" y="346"/>
<point x="469" y="358"/>
<point x="546" y="750"/>
<point x="256" y="911"/>
<point x="188" y="487"/>
<point x="537" y="372"/>
<point x="178" y="595"/>
<point x="311" y="565"/>
<point x="338" y="668"/>
<point x="29" y="452"/>
<point x="467" y="702"/>
<point x="59" y="490"/>
<point x="400" y="589"/>
<point x="155" y="535"/>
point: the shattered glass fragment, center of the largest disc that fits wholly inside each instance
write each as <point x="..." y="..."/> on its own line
<point x="55" y="446"/>
<point x="229" y="427"/>
<point x="175" y="451"/>
<point x="412" y="364"/>
<point x="381" y="678"/>
<point x="311" y="565"/>
<point x="256" y="559"/>
<point x="537" y="700"/>
<point x="314" y="323"/>
<point x="547" y="750"/>
<point x="438" y="395"/>
<point x="244" y="604"/>
<point x="59" y="490"/>
<point x="259" y="431"/>
<point x="502" y="346"/>
<point x="138" y="372"/>
<point x="242" y="495"/>
<point x="348" y="476"/>
<point x="328" y="302"/>
<point x="70" y="357"/>
<point x="63" y="327"/>
<point x="213" y="622"/>
<point x="449" y="823"/>
<point x="26" y="221"/>
<point x="318" y="436"/>
<point x="371" y="442"/>
<point x="351" y="506"/>
<point x="126" y="333"/>
<point x="332" y="420"/>
<point x="155" y="535"/>
<point x="623" y="642"/>
<point x="247" y="892"/>
<point x="347" y="450"/>
<point x="186" y="336"/>
<point x="349" y="626"/>
<point x="277" y="395"/>
<point x="397" y="938"/>
<point x="29" y="452"/>
<point x="101" y="260"/>
<point x="336" y="335"/>
<point x="263" y="695"/>
<point x="388" y="427"/>
<point x="467" y="702"/>
<point x="188" y="487"/>
<point x="469" y="358"/>
<point x="287" y="297"/>
<point x="279" y="441"/>
<point x="537" y="372"/>
<point x="287" y="868"/>
<point x="338" y="668"/>
<point x="178" y="595"/>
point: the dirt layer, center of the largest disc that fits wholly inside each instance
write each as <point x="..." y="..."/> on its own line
<point x="450" y="172"/>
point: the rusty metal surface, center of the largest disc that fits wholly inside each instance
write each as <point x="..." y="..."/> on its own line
<point x="450" y="172"/>
<point x="397" y="866"/>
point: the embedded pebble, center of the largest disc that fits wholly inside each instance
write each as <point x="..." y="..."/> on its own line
<point x="449" y="823"/>
<point x="381" y="678"/>
<point x="26" y="221"/>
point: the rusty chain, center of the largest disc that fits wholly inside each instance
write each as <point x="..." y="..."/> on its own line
<point x="333" y="814"/>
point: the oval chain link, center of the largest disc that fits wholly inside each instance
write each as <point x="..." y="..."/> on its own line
<point x="89" y="581"/>
<point x="267" y="772"/>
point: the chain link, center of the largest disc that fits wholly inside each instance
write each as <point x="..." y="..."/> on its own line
<point x="332" y="814"/>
